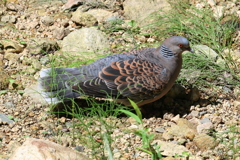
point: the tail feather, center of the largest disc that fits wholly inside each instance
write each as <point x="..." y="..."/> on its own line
<point x="54" y="84"/>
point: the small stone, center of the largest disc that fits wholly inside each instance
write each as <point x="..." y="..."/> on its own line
<point x="195" y="113"/>
<point x="9" y="105"/>
<point x="112" y="18"/>
<point x="4" y="80"/>
<point x="47" y="20"/>
<point x="5" y="119"/>
<point x="181" y="132"/>
<point x="9" y="18"/>
<point x="37" y="65"/>
<point x="195" y="121"/>
<point x="203" y="113"/>
<point x="204" y="142"/>
<point x="236" y="93"/>
<point x="181" y="141"/>
<point x="63" y="119"/>
<point x="33" y="25"/>
<point x="14" y="7"/>
<point x="159" y="129"/>
<point x="44" y="60"/>
<point x="133" y="126"/>
<point x="79" y="148"/>
<point x="11" y="46"/>
<point x="176" y="118"/>
<point x="170" y="149"/>
<point x="131" y="120"/>
<point x="236" y="105"/>
<point x="212" y="3"/>
<point x="84" y="19"/>
<point x="59" y="33"/>
<point x="204" y="128"/>
<point x="216" y="120"/>
<point x="65" y="129"/>
<point x="150" y="40"/>
<point x="101" y="14"/>
<point x="11" y="56"/>
<point x="30" y="70"/>
<point x="167" y="136"/>
<point x="31" y="114"/>
<point x="205" y="120"/>
<point x="42" y="46"/>
<point x="218" y="11"/>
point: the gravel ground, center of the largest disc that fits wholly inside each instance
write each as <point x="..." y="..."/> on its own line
<point x="161" y="117"/>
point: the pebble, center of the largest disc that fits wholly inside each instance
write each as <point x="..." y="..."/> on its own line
<point x="9" y="105"/>
<point x="204" y="128"/>
<point x="205" y="120"/>
<point x="159" y="129"/>
<point x="195" y="113"/>
<point x="204" y="142"/>
<point x="225" y="112"/>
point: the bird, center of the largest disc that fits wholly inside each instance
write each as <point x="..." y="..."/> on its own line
<point x="141" y="75"/>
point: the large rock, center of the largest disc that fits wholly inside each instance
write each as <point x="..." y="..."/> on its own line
<point x="37" y="149"/>
<point x="139" y="9"/>
<point x="85" y="41"/>
<point x="203" y="49"/>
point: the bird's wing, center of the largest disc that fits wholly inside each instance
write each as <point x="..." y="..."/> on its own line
<point x="133" y="78"/>
<point x="139" y="51"/>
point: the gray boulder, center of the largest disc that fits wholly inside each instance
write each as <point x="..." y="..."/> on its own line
<point x="85" y="41"/>
<point x="139" y="9"/>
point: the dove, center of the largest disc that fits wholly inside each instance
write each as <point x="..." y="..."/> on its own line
<point x="142" y="75"/>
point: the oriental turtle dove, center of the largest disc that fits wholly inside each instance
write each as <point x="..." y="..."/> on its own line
<point x="142" y="75"/>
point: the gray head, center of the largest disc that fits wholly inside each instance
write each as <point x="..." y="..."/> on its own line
<point x="174" y="46"/>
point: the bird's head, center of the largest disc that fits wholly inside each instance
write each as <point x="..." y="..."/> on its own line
<point x="174" y="46"/>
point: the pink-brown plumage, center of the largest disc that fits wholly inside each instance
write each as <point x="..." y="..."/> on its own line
<point x="143" y="75"/>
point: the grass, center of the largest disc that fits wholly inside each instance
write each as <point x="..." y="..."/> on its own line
<point x="200" y="27"/>
<point x="143" y="132"/>
<point x="93" y="126"/>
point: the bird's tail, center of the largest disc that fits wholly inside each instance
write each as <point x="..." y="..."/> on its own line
<point x="54" y="84"/>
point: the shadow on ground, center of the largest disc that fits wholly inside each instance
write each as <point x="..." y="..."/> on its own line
<point x="156" y="109"/>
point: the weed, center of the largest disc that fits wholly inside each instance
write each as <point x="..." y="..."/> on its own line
<point x="147" y="147"/>
<point x="93" y="126"/>
<point x="201" y="27"/>
<point x="230" y="140"/>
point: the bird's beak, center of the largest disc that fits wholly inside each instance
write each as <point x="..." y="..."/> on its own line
<point x="191" y="50"/>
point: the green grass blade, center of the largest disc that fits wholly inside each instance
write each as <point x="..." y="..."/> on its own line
<point x="136" y="108"/>
<point x="132" y="115"/>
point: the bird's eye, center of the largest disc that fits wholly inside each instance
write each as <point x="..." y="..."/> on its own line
<point x="180" y="45"/>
